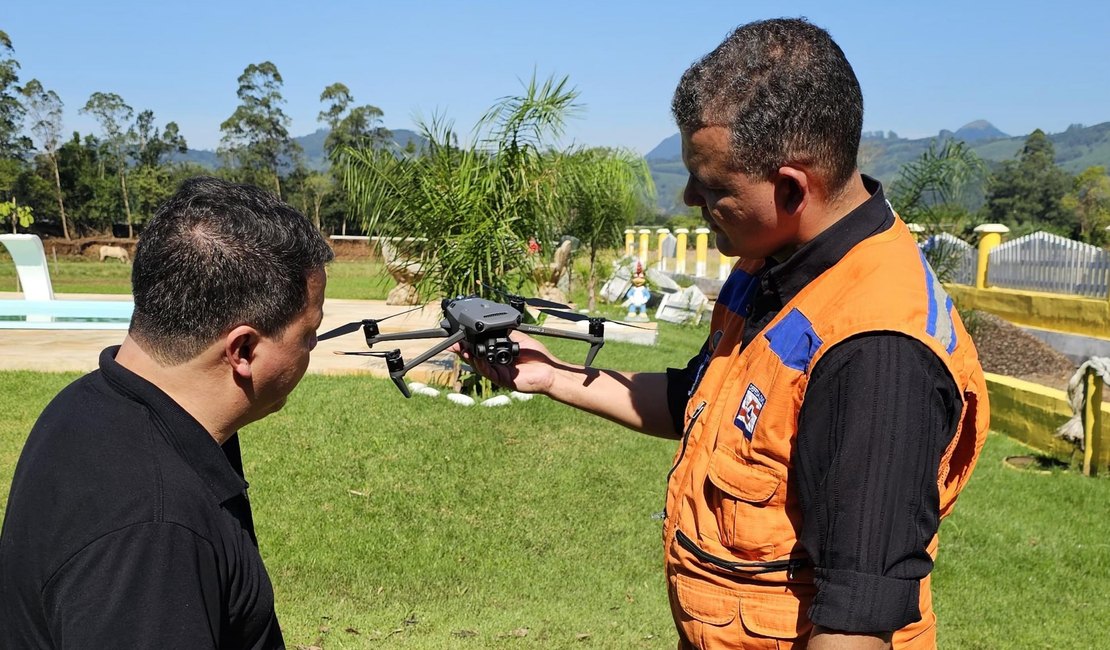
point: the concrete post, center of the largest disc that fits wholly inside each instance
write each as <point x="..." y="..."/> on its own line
<point x="661" y="236"/>
<point x="701" y="251"/>
<point x="680" y="250"/>
<point x="990" y="238"/>
<point x="629" y="241"/>
<point x="724" y="266"/>
<point x="1092" y="422"/>
<point x="645" y="235"/>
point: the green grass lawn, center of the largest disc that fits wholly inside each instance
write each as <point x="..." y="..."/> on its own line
<point x="420" y="524"/>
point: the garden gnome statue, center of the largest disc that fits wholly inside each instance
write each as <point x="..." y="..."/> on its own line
<point x="637" y="296"/>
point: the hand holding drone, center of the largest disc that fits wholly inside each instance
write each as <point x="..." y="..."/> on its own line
<point x="481" y="325"/>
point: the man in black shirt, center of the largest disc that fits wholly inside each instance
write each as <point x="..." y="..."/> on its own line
<point x="128" y="523"/>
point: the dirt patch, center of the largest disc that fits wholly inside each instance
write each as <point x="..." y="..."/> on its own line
<point x="1006" y="349"/>
<point x="354" y="250"/>
<point x="86" y="247"/>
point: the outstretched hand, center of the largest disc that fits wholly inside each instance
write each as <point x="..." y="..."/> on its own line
<point x="533" y="371"/>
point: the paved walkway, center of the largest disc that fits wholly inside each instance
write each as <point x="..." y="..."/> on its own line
<point x="78" y="350"/>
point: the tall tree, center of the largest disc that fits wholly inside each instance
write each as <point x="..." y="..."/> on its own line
<point x="1089" y="200"/>
<point x="1028" y="192"/>
<point x="256" y="136"/>
<point x="350" y="126"/>
<point x="114" y="116"/>
<point x="357" y="126"/>
<point x="150" y="146"/>
<point x="12" y="144"/>
<point x="44" y="108"/>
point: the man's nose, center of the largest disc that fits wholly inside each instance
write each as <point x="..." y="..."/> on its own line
<point x="690" y="196"/>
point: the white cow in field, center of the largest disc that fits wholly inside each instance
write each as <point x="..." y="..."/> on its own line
<point x="118" y="252"/>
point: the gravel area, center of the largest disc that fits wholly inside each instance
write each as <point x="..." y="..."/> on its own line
<point x="1006" y="349"/>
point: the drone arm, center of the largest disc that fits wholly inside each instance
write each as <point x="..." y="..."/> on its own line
<point x="428" y="354"/>
<point x="595" y="341"/>
<point x="594" y="347"/>
<point x="434" y="333"/>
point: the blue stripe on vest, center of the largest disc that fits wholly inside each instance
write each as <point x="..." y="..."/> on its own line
<point x="736" y="292"/>
<point x="948" y="306"/>
<point x="794" y="340"/>
<point x="939" y="323"/>
<point x="931" y="322"/>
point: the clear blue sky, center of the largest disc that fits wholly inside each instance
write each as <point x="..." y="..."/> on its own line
<point x="924" y="66"/>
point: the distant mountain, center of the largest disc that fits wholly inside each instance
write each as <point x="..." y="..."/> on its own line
<point x="312" y="144"/>
<point x="978" y="131"/>
<point x="668" y="149"/>
<point x="882" y="154"/>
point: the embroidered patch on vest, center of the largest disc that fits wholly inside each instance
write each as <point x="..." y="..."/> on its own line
<point x="750" y="408"/>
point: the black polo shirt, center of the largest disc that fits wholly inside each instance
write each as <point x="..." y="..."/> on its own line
<point x="878" y="413"/>
<point x="127" y="526"/>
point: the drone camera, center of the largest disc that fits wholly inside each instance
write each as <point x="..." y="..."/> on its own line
<point x="499" y="351"/>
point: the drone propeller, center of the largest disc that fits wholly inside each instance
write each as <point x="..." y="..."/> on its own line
<point x="355" y="325"/>
<point x="576" y="317"/>
<point x="532" y="302"/>
<point x="366" y="353"/>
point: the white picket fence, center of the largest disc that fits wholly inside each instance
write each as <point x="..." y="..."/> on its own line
<point x="1046" y="262"/>
<point x="952" y="258"/>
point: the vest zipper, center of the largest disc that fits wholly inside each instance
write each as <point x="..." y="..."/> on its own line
<point x="747" y="568"/>
<point x="685" y="440"/>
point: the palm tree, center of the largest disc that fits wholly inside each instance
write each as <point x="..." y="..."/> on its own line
<point x="608" y="189"/>
<point x="933" y="191"/>
<point x="465" y="212"/>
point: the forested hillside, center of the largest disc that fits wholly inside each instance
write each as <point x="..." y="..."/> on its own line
<point x="882" y="154"/>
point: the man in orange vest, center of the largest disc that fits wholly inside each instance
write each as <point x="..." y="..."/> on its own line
<point x="837" y="407"/>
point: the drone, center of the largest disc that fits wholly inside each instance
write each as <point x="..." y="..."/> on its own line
<point x="483" y="324"/>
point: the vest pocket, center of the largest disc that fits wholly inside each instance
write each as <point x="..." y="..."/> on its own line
<point x="766" y="614"/>
<point x="741" y="497"/>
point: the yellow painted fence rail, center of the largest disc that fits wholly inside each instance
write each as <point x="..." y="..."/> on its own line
<point x="1031" y="413"/>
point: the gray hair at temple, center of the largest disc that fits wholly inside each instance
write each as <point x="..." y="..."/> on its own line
<point x="786" y="93"/>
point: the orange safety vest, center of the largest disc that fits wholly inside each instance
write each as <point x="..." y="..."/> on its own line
<point x="737" y="575"/>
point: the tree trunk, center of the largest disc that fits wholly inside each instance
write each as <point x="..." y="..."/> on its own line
<point x="126" y="203"/>
<point x="58" y="187"/>
<point x="15" y="212"/>
<point x="277" y="182"/>
<point x="591" y="283"/>
<point x="316" y="211"/>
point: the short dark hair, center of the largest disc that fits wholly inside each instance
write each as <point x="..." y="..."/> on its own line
<point x="786" y="93"/>
<point x="216" y="255"/>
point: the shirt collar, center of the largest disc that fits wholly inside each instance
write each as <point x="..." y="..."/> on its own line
<point x="872" y="216"/>
<point x="219" y="468"/>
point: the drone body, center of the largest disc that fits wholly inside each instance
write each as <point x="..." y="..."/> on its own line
<point x="482" y="325"/>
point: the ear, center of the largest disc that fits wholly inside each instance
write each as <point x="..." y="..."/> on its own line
<point x="793" y="190"/>
<point x="240" y="347"/>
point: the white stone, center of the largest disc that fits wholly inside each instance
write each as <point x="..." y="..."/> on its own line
<point x="523" y="397"/>
<point x="429" y="392"/>
<point x="500" y="400"/>
<point x="460" y="399"/>
<point x="416" y="385"/>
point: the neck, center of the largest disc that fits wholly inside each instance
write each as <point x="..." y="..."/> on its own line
<point x="198" y="385"/>
<point x="833" y="209"/>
